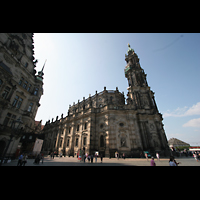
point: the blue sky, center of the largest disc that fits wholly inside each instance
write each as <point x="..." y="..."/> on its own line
<point x="78" y="64"/>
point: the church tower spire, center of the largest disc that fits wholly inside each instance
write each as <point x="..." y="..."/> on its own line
<point x="141" y="100"/>
<point x="41" y="73"/>
<point x="139" y="94"/>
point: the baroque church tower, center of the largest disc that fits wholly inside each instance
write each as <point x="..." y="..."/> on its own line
<point x="141" y="99"/>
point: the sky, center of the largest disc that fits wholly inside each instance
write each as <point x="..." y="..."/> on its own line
<point x="78" y="64"/>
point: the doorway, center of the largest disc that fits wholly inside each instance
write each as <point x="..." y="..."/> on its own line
<point x="2" y="147"/>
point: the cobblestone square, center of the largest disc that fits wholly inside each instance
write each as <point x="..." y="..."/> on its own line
<point x="70" y="161"/>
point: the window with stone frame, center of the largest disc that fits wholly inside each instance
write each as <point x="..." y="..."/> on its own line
<point x="85" y="125"/>
<point x="6" y="92"/>
<point x="21" y="81"/>
<point x="85" y="141"/>
<point x="29" y="87"/>
<point x="61" y="140"/>
<point x="9" y="119"/>
<point x="77" y="127"/>
<point x="25" y="84"/>
<point x="36" y="91"/>
<point x="17" y="102"/>
<point x="76" y="142"/>
<point x="67" y="142"/>
<point x="30" y="107"/>
<point x="26" y="65"/>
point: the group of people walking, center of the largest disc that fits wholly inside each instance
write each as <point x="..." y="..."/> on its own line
<point x="22" y="160"/>
<point x="38" y="158"/>
<point x="89" y="157"/>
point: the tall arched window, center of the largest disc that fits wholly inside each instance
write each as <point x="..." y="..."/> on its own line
<point x="101" y="141"/>
<point x="77" y="127"/>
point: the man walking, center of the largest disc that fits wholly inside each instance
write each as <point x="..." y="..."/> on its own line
<point x="101" y="156"/>
<point x="20" y="160"/>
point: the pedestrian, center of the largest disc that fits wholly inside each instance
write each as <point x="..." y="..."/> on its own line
<point x="123" y="156"/>
<point x="171" y="161"/>
<point x="196" y="156"/>
<point x="20" y="160"/>
<point x="24" y="161"/>
<point x="116" y="155"/>
<point x="146" y="156"/>
<point x="141" y="155"/>
<point x="158" y="156"/>
<point x="95" y="157"/>
<point x="53" y="155"/>
<point x="92" y="158"/>
<point x="42" y="157"/>
<point x="152" y="162"/>
<point x="101" y="156"/>
<point x="84" y="157"/>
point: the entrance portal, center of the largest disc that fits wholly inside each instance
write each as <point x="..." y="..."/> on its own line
<point x="2" y="147"/>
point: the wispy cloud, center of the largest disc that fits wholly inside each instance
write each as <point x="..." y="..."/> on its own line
<point x="192" y="123"/>
<point x="183" y="112"/>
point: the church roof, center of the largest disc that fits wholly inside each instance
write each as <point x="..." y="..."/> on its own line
<point x="177" y="142"/>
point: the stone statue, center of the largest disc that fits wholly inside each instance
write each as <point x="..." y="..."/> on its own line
<point x="123" y="141"/>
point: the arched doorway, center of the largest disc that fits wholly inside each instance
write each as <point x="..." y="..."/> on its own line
<point x="101" y="141"/>
<point x="2" y="147"/>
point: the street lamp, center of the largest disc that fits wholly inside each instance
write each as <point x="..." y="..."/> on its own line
<point x="16" y="125"/>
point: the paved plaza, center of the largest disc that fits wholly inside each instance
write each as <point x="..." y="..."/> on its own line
<point x="70" y="161"/>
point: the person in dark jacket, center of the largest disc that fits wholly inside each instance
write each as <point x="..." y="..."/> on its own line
<point x="92" y="158"/>
<point x="101" y="156"/>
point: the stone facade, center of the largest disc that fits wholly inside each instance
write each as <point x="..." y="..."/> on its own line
<point x="20" y="87"/>
<point x="105" y="123"/>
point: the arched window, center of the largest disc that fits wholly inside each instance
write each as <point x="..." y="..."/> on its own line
<point x="84" y="141"/>
<point x="76" y="142"/>
<point x="101" y="141"/>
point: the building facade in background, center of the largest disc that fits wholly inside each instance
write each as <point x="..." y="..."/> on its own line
<point x="176" y="143"/>
<point x="105" y="123"/>
<point x="20" y="88"/>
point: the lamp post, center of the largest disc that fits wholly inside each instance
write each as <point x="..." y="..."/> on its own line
<point x="14" y="132"/>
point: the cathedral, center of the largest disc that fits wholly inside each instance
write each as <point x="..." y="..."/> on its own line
<point x="105" y="123"/>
